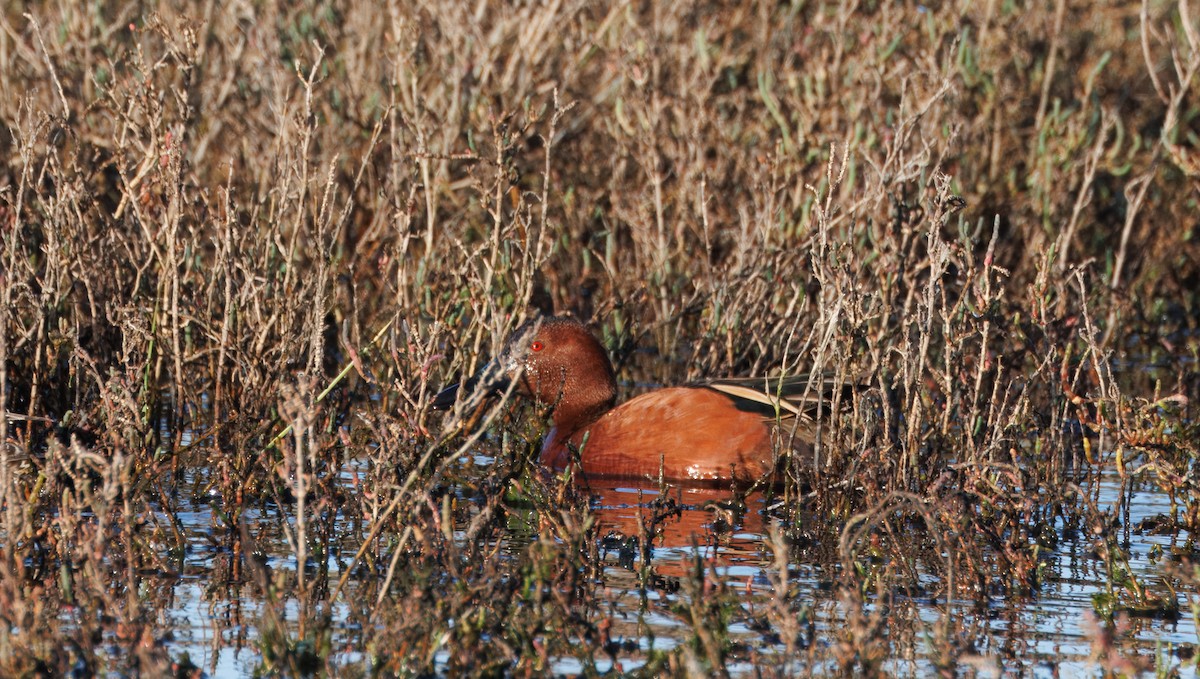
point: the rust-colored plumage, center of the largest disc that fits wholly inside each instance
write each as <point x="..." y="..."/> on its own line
<point x="715" y="431"/>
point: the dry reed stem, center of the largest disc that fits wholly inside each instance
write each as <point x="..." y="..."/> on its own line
<point x="202" y="210"/>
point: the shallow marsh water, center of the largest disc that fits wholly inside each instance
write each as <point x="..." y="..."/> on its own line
<point x="1050" y="632"/>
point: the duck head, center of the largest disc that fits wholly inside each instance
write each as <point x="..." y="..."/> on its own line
<point x="556" y="362"/>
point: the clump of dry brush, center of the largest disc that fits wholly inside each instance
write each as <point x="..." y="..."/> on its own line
<point x="241" y="242"/>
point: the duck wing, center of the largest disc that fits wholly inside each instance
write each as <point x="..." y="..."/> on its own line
<point x="781" y="397"/>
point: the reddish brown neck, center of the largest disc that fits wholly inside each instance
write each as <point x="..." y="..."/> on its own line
<point x="572" y="415"/>
<point x="576" y="401"/>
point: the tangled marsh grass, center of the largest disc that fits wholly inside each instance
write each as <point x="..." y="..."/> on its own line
<point x="244" y="243"/>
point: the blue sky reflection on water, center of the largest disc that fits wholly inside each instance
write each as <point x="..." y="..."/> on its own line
<point x="1047" y="632"/>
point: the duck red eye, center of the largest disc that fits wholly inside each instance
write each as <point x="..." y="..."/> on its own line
<point x="536" y="345"/>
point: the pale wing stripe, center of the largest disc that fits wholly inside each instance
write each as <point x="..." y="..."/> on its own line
<point x="755" y="395"/>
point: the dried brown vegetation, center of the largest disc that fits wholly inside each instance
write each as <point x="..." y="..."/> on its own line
<point x="242" y="243"/>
